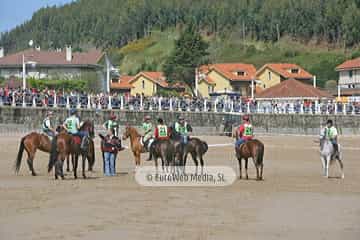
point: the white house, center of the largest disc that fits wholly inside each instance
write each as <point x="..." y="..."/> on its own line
<point x="349" y="77"/>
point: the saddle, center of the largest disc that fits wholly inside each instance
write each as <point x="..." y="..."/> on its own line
<point x="76" y="140"/>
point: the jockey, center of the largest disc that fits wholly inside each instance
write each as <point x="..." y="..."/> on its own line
<point x="46" y="125"/>
<point x="72" y="126"/>
<point x="161" y="133"/>
<point x="245" y="131"/>
<point x="331" y="134"/>
<point x="182" y="128"/>
<point x="112" y="124"/>
<point x="148" y="132"/>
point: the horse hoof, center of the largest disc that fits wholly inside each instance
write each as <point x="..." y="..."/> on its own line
<point x="34" y="174"/>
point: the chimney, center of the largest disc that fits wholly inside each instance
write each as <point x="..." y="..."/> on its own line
<point x="1" y="52"/>
<point x="68" y="53"/>
<point x="37" y="48"/>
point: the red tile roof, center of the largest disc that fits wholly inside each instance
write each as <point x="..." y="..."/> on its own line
<point x="228" y="70"/>
<point x="123" y="83"/>
<point x="284" y="70"/>
<point x="350" y="64"/>
<point x="293" y="89"/>
<point x="91" y="57"/>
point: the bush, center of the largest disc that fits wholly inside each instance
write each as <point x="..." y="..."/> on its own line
<point x="79" y="85"/>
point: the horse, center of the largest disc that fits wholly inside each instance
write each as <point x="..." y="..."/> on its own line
<point x="31" y="143"/>
<point x="251" y="149"/>
<point x="66" y="147"/>
<point x="327" y="156"/>
<point x="165" y="150"/>
<point x="135" y="142"/>
<point x="197" y="148"/>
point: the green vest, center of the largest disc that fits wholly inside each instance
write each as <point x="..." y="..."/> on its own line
<point x="181" y="129"/>
<point x="163" y="130"/>
<point x="330" y="133"/>
<point x="44" y="126"/>
<point x="111" y="124"/>
<point x="71" y="125"/>
<point x="248" y="132"/>
<point x="147" y="127"/>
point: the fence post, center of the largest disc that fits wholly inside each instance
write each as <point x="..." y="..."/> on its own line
<point x="141" y="102"/>
<point x="171" y="104"/>
<point x="215" y="105"/>
<point x="205" y="106"/>
<point x="13" y="100"/>
<point x="302" y="108"/>
<point x="159" y="104"/>
<point x="33" y="102"/>
<point x="248" y="107"/>
<point x="67" y="102"/>
<point x="353" y="109"/>
<point x="122" y="102"/>
<point x="78" y="105"/>
<point x="109" y="102"/>
<point x="335" y="108"/>
<point x="24" y="103"/>
<point x="55" y="99"/>
<point x="344" y="108"/>
<point x="89" y="102"/>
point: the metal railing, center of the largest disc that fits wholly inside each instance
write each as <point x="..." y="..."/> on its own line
<point x="220" y="105"/>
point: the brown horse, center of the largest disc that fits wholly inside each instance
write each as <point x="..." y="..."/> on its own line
<point x="62" y="147"/>
<point x="136" y="147"/>
<point x="197" y="148"/>
<point x="31" y="143"/>
<point x="251" y="149"/>
<point x="165" y="150"/>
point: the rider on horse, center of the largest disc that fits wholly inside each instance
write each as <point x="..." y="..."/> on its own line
<point x="182" y="128"/>
<point x="161" y="133"/>
<point x="330" y="132"/>
<point x="244" y="132"/>
<point x="72" y="126"/>
<point x="148" y="133"/>
<point x="112" y="124"/>
<point x="46" y="125"/>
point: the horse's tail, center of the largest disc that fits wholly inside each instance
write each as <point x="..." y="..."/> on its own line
<point x="206" y="147"/>
<point x="260" y="153"/>
<point x="19" y="156"/>
<point x="53" y="154"/>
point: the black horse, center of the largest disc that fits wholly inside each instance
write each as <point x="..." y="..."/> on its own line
<point x="165" y="150"/>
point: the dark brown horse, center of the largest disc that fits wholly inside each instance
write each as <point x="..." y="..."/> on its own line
<point x="165" y="150"/>
<point x="251" y="149"/>
<point x="197" y="148"/>
<point x="73" y="148"/>
<point x="31" y="143"/>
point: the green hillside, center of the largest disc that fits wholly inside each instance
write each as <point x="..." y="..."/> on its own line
<point x="150" y="53"/>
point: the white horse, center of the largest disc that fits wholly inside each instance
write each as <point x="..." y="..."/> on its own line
<point x="327" y="155"/>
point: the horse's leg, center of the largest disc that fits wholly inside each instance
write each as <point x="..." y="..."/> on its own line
<point x="327" y="163"/>
<point x="341" y="167"/>
<point x="246" y="169"/>
<point x="62" y="167"/>
<point x="30" y="160"/>
<point x="323" y="165"/>
<point x="261" y="171"/>
<point x="201" y="163"/>
<point x="193" y="156"/>
<point x="240" y="176"/>
<point x="74" y="160"/>
<point x="83" y="165"/>
<point x="68" y="163"/>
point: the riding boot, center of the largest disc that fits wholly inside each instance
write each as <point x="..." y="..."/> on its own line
<point x="336" y="149"/>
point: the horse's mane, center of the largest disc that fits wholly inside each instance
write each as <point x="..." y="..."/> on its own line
<point x="133" y="131"/>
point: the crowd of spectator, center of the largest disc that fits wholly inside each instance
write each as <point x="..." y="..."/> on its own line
<point x="74" y="99"/>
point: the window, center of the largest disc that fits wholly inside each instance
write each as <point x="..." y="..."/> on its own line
<point x="240" y="73"/>
<point x="143" y="84"/>
<point x="225" y="89"/>
<point x="209" y="89"/>
<point x="269" y="76"/>
<point x="114" y="80"/>
<point x="350" y="74"/>
<point x="295" y="70"/>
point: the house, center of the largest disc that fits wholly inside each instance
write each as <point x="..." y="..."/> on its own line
<point x="292" y="90"/>
<point x="58" y="64"/>
<point x="349" y="77"/>
<point x="225" y="77"/>
<point x="144" y="83"/>
<point x="272" y="74"/>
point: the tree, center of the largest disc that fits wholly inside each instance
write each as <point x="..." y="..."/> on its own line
<point x="190" y="52"/>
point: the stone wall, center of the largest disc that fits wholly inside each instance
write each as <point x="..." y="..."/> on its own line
<point x="14" y="118"/>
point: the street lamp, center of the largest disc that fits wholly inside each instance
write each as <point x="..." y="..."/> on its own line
<point x="32" y="63"/>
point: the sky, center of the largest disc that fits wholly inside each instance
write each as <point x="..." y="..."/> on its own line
<point x="15" y="12"/>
